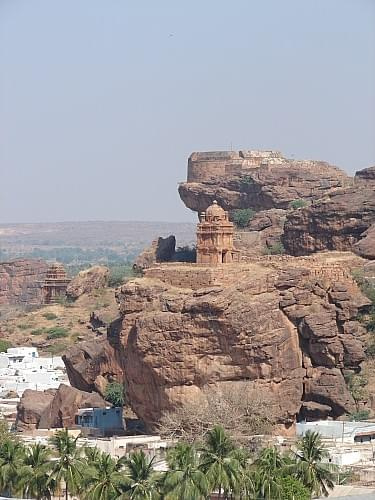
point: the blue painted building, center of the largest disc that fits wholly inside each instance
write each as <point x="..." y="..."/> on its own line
<point x="105" y="420"/>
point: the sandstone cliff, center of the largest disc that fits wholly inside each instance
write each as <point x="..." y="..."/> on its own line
<point x="285" y="326"/>
<point x="260" y="180"/>
<point x="341" y="221"/>
<point x="20" y="282"/>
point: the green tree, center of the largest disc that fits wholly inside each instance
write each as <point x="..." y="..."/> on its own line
<point x="102" y="476"/>
<point x="242" y="216"/>
<point x="114" y="394"/>
<point x="35" y="482"/>
<point x="293" y="489"/>
<point x="4" y="345"/>
<point x="184" y="480"/>
<point x="69" y="467"/>
<point x="310" y="470"/>
<point x="220" y="463"/>
<point x="140" y="481"/>
<point x="269" y="470"/>
<point x="12" y="455"/>
<point x="298" y="204"/>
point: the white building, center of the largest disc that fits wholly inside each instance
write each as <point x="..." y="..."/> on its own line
<point x="21" y="368"/>
<point x="346" y="432"/>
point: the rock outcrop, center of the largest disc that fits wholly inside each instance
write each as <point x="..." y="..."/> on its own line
<point x="30" y="408"/>
<point x="20" y="282"/>
<point x="91" y="365"/>
<point x="161" y="250"/>
<point x="365" y="247"/>
<point x="54" y="408"/>
<point x="260" y="180"/>
<point x="282" y="325"/>
<point x="88" y="280"/>
<point x="339" y="222"/>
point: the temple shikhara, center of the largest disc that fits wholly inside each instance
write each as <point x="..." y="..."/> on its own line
<point x="215" y="237"/>
<point x="55" y="284"/>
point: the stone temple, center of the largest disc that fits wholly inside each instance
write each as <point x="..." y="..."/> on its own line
<point x="215" y="237"/>
<point x="55" y="284"/>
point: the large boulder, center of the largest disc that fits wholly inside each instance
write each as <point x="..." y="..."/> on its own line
<point x="366" y="245"/>
<point x="285" y="325"/>
<point x="66" y="402"/>
<point x="30" y="408"/>
<point x="92" y="365"/>
<point x="21" y="280"/>
<point x="87" y="281"/>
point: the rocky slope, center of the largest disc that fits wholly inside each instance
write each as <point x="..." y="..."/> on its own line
<point x="282" y="325"/>
<point x="20" y="282"/>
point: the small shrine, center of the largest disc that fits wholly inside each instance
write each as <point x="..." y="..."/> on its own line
<point x="215" y="237"/>
<point x="55" y="284"/>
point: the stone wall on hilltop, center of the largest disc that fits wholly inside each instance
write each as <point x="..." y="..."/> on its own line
<point x="20" y="282"/>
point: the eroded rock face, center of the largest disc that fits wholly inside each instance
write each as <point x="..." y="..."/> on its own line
<point x="54" y="408"/>
<point x="339" y="222"/>
<point x="86" y="281"/>
<point x="161" y="250"/>
<point x="20" y="282"/>
<point x="65" y="404"/>
<point x="366" y="245"/>
<point x="31" y="407"/>
<point x="255" y="179"/>
<point x="280" y="327"/>
<point x="91" y="365"/>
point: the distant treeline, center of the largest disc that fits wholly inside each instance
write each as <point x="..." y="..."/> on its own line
<point x="75" y="255"/>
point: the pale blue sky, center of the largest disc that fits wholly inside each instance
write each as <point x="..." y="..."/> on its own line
<point x="102" y="101"/>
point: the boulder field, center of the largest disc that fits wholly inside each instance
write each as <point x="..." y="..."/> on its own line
<point x="281" y="325"/>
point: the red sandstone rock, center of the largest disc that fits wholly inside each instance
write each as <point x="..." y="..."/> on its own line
<point x="21" y="280"/>
<point x="31" y="407"/>
<point x="64" y="406"/>
<point x="88" y="280"/>
<point x="270" y="328"/>
<point x="91" y="365"/>
<point x="341" y="221"/>
<point x="255" y="179"/>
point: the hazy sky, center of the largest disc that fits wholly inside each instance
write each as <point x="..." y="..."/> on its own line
<point x="102" y="101"/>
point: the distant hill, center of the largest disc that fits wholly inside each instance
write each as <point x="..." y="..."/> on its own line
<point x="87" y="241"/>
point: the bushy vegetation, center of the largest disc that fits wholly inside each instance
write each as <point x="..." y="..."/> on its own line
<point x="301" y="203"/>
<point x="357" y="416"/>
<point x="195" y="471"/>
<point x="242" y="216"/>
<point x="114" y="394"/>
<point x="245" y="182"/>
<point x="49" y="316"/>
<point x="119" y="273"/>
<point x="357" y="386"/>
<point x="38" y="331"/>
<point x="368" y="319"/>
<point x="4" y="345"/>
<point x="56" y="332"/>
<point x="275" y="249"/>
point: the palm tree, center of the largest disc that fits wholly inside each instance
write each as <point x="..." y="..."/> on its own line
<point x="220" y="463"/>
<point x="35" y="480"/>
<point x="140" y="482"/>
<point x="268" y="473"/>
<point x="103" y="477"/>
<point x="69" y="466"/>
<point x="12" y="454"/>
<point x="184" y="480"/>
<point x="310" y="469"/>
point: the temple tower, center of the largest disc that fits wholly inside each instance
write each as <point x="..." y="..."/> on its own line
<point x="55" y="284"/>
<point x="215" y="237"/>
